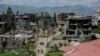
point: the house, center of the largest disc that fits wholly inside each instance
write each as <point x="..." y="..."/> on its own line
<point x="91" y="48"/>
<point x="77" y="27"/>
<point x="23" y="20"/>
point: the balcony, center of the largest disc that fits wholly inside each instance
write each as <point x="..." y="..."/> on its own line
<point x="86" y="29"/>
<point x="71" y="36"/>
<point x="2" y="22"/>
<point x="88" y="35"/>
<point x="72" y="24"/>
<point x="87" y="24"/>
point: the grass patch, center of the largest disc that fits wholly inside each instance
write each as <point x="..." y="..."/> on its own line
<point x="9" y="54"/>
<point x="54" y="53"/>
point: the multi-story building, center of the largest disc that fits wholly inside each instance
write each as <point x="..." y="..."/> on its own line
<point x="23" y="20"/>
<point x="62" y="17"/>
<point x="77" y="27"/>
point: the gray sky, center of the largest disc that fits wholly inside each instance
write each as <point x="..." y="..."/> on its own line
<point x="50" y="3"/>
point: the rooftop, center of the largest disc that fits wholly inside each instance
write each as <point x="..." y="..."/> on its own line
<point x="85" y="49"/>
<point x="79" y="17"/>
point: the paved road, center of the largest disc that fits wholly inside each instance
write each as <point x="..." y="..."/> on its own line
<point x="41" y="49"/>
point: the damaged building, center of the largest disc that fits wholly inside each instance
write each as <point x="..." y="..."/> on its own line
<point x="77" y="27"/>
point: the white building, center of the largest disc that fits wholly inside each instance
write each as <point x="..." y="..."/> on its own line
<point x="96" y="19"/>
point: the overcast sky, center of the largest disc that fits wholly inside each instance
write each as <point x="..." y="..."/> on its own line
<point x="50" y="3"/>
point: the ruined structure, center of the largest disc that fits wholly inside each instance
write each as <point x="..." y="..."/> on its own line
<point x="61" y="19"/>
<point x="77" y="27"/>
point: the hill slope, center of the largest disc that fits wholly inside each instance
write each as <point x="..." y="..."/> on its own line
<point x="29" y="9"/>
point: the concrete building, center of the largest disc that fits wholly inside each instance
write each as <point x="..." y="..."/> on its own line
<point x="62" y="17"/>
<point x="96" y="19"/>
<point x="24" y="20"/>
<point x="2" y="21"/>
<point x="77" y="27"/>
<point x="20" y="22"/>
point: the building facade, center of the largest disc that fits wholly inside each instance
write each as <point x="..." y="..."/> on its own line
<point x="62" y="17"/>
<point x="23" y="20"/>
<point x="96" y="19"/>
<point x="77" y="27"/>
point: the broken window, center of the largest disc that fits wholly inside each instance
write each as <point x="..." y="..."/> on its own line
<point x="86" y="33"/>
<point x="66" y="32"/>
<point x="71" y="32"/>
<point x="73" y="27"/>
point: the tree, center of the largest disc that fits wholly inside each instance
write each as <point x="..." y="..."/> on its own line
<point x="55" y="20"/>
<point x="29" y="49"/>
<point x="46" y="20"/>
<point x="17" y="13"/>
<point x="10" y="19"/>
<point x="34" y="17"/>
<point x="41" y="15"/>
<point x="97" y="30"/>
<point x="28" y="26"/>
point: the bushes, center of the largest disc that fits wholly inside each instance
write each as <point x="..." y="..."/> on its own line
<point x="54" y="52"/>
<point x="93" y="37"/>
<point x="97" y="30"/>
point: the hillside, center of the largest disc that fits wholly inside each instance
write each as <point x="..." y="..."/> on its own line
<point x="29" y="9"/>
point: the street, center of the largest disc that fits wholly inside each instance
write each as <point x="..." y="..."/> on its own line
<point x="41" y="49"/>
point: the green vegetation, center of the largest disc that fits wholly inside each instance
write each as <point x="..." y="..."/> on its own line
<point x="10" y="22"/>
<point x="93" y="37"/>
<point x="28" y="49"/>
<point x="2" y="30"/>
<point x="28" y="26"/>
<point x="59" y="37"/>
<point x="54" y="53"/>
<point x="97" y="30"/>
<point x="19" y="53"/>
<point x="9" y="54"/>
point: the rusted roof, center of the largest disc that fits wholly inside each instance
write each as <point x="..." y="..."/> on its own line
<point x="85" y="49"/>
